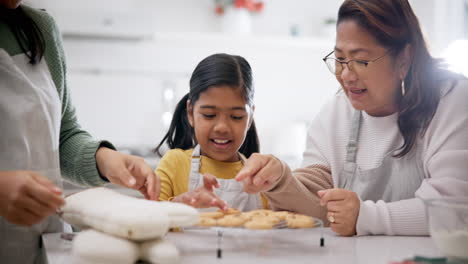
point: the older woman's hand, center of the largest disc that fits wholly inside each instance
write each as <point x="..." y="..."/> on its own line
<point x="343" y="210"/>
<point x="128" y="171"/>
<point x="260" y="173"/>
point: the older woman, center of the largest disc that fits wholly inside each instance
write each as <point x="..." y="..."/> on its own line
<point x="41" y="139"/>
<point x="395" y="134"/>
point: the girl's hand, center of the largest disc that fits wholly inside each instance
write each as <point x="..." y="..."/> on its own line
<point x="260" y="173"/>
<point x="128" y="171"/>
<point x="203" y="196"/>
<point x="27" y="198"/>
<point x="343" y="210"/>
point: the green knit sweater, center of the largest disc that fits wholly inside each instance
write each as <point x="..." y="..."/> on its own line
<point x="77" y="147"/>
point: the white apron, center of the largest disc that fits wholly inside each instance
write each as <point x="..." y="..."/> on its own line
<point x="229" y="190"/>
<point x="30" y="113"/>
<point x="395" y="179"/>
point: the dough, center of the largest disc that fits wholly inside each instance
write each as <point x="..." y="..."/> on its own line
<point x="124" y="216"/>
<point x="91" y="246"/>
<point x="159" y="252"/>
<point x="180" y="215"/>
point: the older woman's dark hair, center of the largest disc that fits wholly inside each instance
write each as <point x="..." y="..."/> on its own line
<point x="394" y="25"/>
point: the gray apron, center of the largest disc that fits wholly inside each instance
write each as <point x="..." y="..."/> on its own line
<point x="229" y="190"/>
<point x="30" y="114"/>
<point x="395" y="179"/>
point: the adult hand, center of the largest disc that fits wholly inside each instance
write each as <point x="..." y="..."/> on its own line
<point x="203" y="196"/>
<point x="26" y="198"/>
<point x="343" y="210"/>
<point x="260" y="173"/>
<point x="128" y="171"/>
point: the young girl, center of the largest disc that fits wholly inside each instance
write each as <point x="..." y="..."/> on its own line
<point x="211" y="133"/>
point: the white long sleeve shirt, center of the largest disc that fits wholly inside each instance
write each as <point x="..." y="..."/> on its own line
<point x="444" y="153"/>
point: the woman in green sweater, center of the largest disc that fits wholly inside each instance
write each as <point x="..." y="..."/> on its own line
<point x="40" y="139"/>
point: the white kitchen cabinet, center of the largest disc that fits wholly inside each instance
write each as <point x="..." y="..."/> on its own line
<point x="105" y="19"/>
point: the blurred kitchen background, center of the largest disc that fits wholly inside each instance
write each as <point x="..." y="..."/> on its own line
<point x="129" y="61"/>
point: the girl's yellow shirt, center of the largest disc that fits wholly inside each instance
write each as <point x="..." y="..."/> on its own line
<point x="174" y="172"/>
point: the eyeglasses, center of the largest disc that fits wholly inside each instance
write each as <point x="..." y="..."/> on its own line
<point x="357" y="66"/>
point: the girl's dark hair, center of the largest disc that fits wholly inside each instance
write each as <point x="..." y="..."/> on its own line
<point x="394" y="25"/>
<point x="27" y="33"/>
<point x="215" y="70"/>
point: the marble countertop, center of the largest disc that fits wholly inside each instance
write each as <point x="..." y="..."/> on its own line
<point x="276" y="246"/>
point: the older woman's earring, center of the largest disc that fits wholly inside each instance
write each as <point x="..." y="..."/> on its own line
<point x="403" y="88"/>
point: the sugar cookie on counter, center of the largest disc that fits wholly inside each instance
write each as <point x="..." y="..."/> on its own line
<point x="300" y="221"/>
<point x="231" y="221"/>
<point x="255" y="219"/>
<point x="231" y="211"/>
<point x="258" y="225"/>
<point x="206" y="221"/>
<point x="214" y="215"/>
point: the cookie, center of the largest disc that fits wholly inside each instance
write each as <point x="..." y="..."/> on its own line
<point x="269" y="218"/>
<point x="300" y="221"/>
<point x="230" y="211"/>
<point x="260" y="212"/>
<point x="206" y="221"/>
<point x="256" y="219"/>
<point x="214" y="215"/>
<point x="231" y="221"/>
<point x="246" y="216"/>
<point x="282" y="215"/>
<point x="297" y="216"/>
<point x="258" y="225"/>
